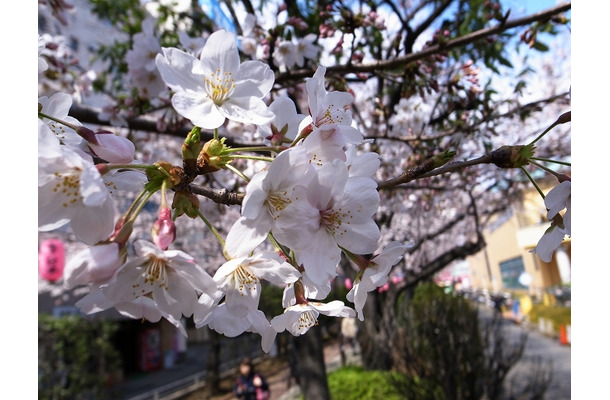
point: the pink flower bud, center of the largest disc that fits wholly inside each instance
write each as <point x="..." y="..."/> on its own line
<point x="348" y="284"/>
<point x="164" y="229"/>
<point x="51" y="259"/>
<point x="112" y="148"/>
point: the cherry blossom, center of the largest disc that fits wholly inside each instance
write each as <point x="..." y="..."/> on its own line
<point x="549" y="242"/>
<point x="330" y="121"/>
<point x="164" y="229"/>
<point x="284" y="127"/>
<point x="192" y="45"/>
<point x="410" y="118"/>
<point x="374" y="274"/>
<point x="112" y="148"/>
<point x="557" y="199"/>
<point x="248" y="40"/>
<point x="364" y="164"/>
<point x="288" y="54"/>
<point x="216" y="86"/>
<point x="275" y="200"/>
<point x="93" y="265"/>
<point x="344" y="217"/>
<point x="142" y="308"/>
<point x="311" y="290"/>
<point x="306" y="48"/>
<point x="58" y="106"/>
<point x="71" y="190"/>
<point x="230" y="325"/>
<point x="141" y="61"/>
<point x="285" y="53"/>
<point x="313" y="180"/>
<point x="240" y="279"/>
<point x="171" y="278"/>
<point x="42" y="63"/>
<point x="299" y="318"/>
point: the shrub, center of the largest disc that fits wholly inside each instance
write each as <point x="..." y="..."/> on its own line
<point x="75" y="356"/>
<point x="452" y="353"/>
<point x="559" y="315"/>
<point x="354" y="383"/>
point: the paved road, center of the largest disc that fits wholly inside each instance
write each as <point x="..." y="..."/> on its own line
<point x="548" y="352"/>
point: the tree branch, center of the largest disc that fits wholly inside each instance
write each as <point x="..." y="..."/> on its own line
<point x="85" y="114"/>
<point x="426" y="169"/>
<point x="450" y="44"/>
<point x="220" y="196"/>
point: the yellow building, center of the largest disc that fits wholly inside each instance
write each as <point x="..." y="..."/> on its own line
<point x="507" y="265"/>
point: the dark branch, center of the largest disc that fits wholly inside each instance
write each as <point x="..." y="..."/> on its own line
<point x="456" y="253"/>
<point x="220" y="196"/>
<point x="89" y="115"/>
<point x="450" y="44"/>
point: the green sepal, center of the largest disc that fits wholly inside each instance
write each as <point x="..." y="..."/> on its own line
<point x="513" y="156"/>
<point x="156" y="176"/>
<point x="443" y="158"/>
<point x="186" y="203"/>
<point x="192" y="144"/>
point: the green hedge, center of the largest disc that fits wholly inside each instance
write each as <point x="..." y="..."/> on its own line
<point x="355" y="383"/>
<point x="76" y="357"/>
<point x="559" y="315"/>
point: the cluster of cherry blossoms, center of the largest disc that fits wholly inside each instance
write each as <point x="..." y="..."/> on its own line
<point x="314" y="201"/>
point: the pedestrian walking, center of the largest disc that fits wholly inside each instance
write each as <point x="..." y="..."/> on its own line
<point x="250" y="385"/>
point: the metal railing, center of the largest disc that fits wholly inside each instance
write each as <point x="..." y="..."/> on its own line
<point x="174" y="389"/>
<point x="183" y="386"/>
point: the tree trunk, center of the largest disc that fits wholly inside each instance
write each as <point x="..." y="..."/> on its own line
<point x="373" y="334"/>
<point x="310" y="365"/>
<point x="212" y="377"/>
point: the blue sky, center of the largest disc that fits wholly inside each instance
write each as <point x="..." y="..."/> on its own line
<point x="530" y="6"/>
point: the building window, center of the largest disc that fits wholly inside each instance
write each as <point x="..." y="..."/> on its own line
<point x="510" y="271"/>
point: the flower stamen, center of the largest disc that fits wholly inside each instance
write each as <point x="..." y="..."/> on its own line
<point x="156" y="272"/>
<point x="69" y="185"/>
<point x="220" y="86"/>
<point x="333" y="221"/>
<point x="276" y="202"/>
<point x="246" y="280"/>
<point x="307" y="320"/>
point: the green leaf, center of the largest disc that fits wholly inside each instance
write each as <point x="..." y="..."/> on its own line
<point x="504" y="61"/>
<point x="541" y="46"/>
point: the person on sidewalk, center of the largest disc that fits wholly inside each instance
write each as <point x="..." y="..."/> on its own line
<point x="250" y="385"/>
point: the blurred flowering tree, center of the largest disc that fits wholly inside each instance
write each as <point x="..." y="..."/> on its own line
<point x="291" y="144"/>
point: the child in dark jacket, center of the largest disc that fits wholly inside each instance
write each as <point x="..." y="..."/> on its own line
<point x="250" y="385"/>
